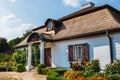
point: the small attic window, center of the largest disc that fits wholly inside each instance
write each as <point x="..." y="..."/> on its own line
<point x="50" y="25"/>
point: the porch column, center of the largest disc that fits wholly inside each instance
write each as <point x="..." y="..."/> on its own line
<point x="29" y="66"/>
<point x="42" y="52"/>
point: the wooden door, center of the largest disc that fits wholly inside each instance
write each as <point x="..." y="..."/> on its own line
<point x="47" y="57"/>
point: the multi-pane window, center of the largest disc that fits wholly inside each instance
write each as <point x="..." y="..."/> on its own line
<point x="78" y="52"/>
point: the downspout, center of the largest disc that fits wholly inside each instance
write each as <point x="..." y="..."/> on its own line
<point x="110" y="43"/>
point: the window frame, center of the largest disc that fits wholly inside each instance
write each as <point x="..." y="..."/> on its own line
<point x="50" y="24"/>
<point x="85" y="52"/>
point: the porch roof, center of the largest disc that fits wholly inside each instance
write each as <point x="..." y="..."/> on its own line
<point x="33" y="38"/>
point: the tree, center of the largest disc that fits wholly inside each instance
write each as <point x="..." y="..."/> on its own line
<point x="4" y="47"/>
<point x="17" y="40"/>
<point x="26" y="34"/>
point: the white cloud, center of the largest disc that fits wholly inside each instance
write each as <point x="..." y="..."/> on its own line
<point x="11" y="33"/>
<point x="13" y="1"/>
<point x="9" y="18"/>
<point x="11" y="26"/>
<point x="73" y="3"/>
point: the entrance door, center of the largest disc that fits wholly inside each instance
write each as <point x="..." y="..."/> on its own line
<point x="47" y="56"/>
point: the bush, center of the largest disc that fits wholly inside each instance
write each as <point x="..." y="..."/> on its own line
<point x="60" y="71"/>
<point x="95" y="65"/>
<point x="2" y="69"/>
<point x="113" y="68"/>
<point x="76" y="66"/>
<point x="72" y="75"/>
<point x="41" y="69"/>
<point x="41" y="66"/>
<point x="5" y="57"/>
<point x="20" y="68"/>
<point x="51" y="75"/>
<point x="88" y="72"/>
<point x="114" y="77"/>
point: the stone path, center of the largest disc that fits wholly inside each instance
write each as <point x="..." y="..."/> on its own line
<point x="29" y="75"/>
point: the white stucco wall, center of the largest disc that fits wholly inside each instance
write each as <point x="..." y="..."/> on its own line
<point x="98" y="46"/>
<point x="116" y="45"/>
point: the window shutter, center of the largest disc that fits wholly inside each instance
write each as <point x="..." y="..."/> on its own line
<point x="70" y="52"/>
<point x="86" y="52"/>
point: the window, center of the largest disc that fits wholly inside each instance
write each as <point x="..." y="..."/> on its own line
<point x="78" y="52"/>
<point x="50" y="26"/>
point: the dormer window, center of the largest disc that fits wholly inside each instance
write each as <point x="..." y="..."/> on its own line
<point x="53" y="25"/>
<point x="50" y="25"/>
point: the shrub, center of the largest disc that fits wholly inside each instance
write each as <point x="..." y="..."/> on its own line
<point x="5" y="57"/>
<point x="95" y="65"/>
<point x="20" y="68"/>
<point x="113" y="76"/>
<point x="5" y="66"/>
<point x="100" y="74"/>
<point x="51" y="75"/>
<point x="60" y="71"/>
<point x="76" y="66"/>
<point x="72" y="75"/>
<point x="41" y="66"/>
<point x="113" y="68"/>
<point x="2" y="69"/>
<point x="41" y="69"/>
<point x="88" y="72"/>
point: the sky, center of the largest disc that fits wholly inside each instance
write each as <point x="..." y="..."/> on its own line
<point x="17" y="16"/>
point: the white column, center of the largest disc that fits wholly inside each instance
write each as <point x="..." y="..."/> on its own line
<point x="29" y="66"/>
<point x="42" y="52"/>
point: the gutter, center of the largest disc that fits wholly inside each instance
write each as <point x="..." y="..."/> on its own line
<point x="110" y="43"/>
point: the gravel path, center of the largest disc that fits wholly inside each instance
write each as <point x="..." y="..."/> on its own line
<point x="28" y="75"/>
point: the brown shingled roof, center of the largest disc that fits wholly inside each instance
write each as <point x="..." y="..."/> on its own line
<point x="87" y="21"/>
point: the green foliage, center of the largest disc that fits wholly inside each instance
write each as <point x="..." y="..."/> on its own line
<point x="19" y="56"/>
<point x="113" y="68"/>
<point x="100" y="74"/>
<point x="76" y="66"/>
<point x="26" y="34"/>
<point x="95" y="65"/>
<point x="41" y="66"/>
<point x="14" y="42"/>
<point x="114" y="76"/>
<point x="2" y="68"/>
<point x="6" y="66"/>
<point x="20" y="68"/>
<point x="4" y="47"/>
<point x="51" y="75"/>
<point x="5" y="57"/>
<point x="35" y="55"/>
<point x="41" y="69"/>
<point x="88" y="72"/>
<point x="54" y="75"/>
<point x="60" y="71"/>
